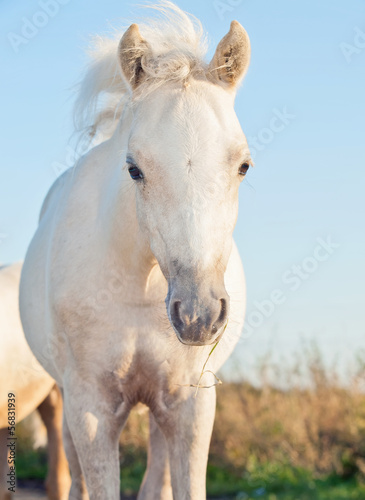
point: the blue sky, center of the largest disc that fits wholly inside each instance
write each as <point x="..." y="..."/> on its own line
<point x="308" y="64"/>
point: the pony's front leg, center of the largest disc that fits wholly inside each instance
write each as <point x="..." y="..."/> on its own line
<point x="94" y="423"/>
<point x="157" y="480"/>
<point x="78" y="489"/>
<point x="188" y="429"/>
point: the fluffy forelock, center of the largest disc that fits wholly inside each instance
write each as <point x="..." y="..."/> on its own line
<point x="175" y="51"/>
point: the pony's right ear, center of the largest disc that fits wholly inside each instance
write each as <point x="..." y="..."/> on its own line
<point x="130" y="51"/>
<point x="232" y="57"/>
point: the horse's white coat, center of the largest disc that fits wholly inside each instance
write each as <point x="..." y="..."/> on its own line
<point x="21" y="372"/>
<point x="108" y="250"/>
<point x="23" y="376"/>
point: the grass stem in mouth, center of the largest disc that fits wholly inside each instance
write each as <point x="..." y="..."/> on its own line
<point x="219" y="382"/>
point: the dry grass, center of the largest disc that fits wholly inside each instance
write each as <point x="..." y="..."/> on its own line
<point x="318" y="425"/>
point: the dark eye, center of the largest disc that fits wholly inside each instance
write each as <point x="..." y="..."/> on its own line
<point x="243" y="169"/>
<point x="135" y="172"/>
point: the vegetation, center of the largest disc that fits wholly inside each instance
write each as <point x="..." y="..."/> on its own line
<point x="303" y="441"/>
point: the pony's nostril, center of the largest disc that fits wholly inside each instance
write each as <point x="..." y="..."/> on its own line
<point x="177" y="308"/>
<point x="176" y="312"/>
<point x="222" y="317"/>
<point x="224" y="311"/>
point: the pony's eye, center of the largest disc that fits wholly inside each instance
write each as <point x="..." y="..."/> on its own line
<point x="243" y="169"/>
<point x="135" y="172"/>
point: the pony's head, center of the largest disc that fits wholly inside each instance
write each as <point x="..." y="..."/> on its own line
<point x="187" y="156"/>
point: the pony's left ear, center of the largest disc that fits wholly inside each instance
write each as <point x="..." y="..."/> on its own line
<point x="232" y="57"/>
<point x="131" y="48"/>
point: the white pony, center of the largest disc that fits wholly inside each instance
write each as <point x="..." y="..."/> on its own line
<point x="132" y="276"/>
<point x="33" y="388"/>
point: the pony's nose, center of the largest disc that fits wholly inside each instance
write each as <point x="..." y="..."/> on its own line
<point x="199" y="324"/>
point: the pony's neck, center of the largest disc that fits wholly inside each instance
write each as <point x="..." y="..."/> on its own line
<point x="127" y="248"/>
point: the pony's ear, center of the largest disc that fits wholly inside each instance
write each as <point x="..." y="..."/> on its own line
<point x="130" y="51"/>
<point x="232" y="57"/>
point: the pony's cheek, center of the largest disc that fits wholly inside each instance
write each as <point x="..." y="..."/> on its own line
<point x="150" y="229"/>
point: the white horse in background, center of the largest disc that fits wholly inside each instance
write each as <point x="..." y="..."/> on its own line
<point x="33" y="388"/>
<point x="133" y="276"/>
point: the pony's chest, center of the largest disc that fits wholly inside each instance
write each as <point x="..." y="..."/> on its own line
<point x="145" y="376"/>
<point x="134" y="350"/>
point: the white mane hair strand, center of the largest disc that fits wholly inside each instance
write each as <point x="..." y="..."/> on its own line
<point x="175" y="50"/>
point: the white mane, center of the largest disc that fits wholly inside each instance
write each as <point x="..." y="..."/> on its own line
<point x="176" y="50"/>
